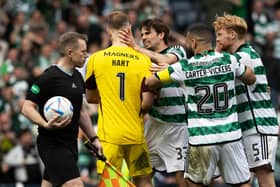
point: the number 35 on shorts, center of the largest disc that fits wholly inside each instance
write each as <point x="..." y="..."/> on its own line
<point x="181" y="152"/>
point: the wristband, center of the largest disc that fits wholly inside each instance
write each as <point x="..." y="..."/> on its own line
<point x="93" y="138"/>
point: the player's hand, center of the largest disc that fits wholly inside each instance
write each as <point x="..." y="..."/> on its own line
<point x="96" y="143"/>
<point x="269" y="90"/>
<point x="156" y="68"/>
<point x="58" y="122"/>
<point x="126" y="37"/>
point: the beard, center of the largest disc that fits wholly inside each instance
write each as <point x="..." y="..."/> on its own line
<point x="224" y="47"/>
<point x="190" y="52"/>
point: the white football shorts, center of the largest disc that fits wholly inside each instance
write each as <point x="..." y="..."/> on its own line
<point x="260" y="150"/>
<point x="167" y="145"/>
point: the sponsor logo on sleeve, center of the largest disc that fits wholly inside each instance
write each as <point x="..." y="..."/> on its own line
<point x="35" y="89"/>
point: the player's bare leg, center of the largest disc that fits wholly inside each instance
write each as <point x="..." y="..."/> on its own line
<point x="265" y="176"/>
<point x="143" y="181"/>
<point x="76" y="182"/>
<point x="191" y="184"/>
<point x="46" y="183"/>
<point x="180" y="180"/>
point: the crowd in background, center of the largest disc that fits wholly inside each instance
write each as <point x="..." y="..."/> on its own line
<point x="29" y="30"/>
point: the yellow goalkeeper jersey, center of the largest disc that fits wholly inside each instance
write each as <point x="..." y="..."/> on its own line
<point x="118" y="72"/>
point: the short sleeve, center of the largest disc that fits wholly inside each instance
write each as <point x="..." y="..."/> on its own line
<point x="90" y="82"/>
<point x="239" y="68"/>
<point x="178" y="51"/>
<point x="38" y="89"/>
<point x="174" y="72"/>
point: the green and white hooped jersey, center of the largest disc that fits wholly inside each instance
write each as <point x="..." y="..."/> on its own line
<point x="255" y="111"/>
<point x="170" y="107"/>
<point x="208" y="80"/>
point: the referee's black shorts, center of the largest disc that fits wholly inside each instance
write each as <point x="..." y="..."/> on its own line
<point x="60" y="159"/>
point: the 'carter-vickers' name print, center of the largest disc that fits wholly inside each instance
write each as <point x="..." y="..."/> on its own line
<point x="208" y="72"/>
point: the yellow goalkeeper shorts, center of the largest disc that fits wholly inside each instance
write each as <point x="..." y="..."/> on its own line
<point x="136" y="157"/>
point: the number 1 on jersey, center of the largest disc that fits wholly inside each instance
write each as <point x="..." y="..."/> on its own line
<point x="122" y="78"/>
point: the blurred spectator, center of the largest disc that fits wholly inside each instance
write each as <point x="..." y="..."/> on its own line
<point x="6" y="97"/>
<point x="212" y="8"/>
<point x="273" y="63"/>
<point x="111" y="5"/>
<point x="55" y="11"/>
<point x="185" y="12"/>
<point x="277" y="166"/>
<point x="8" y="105"/>
<point x="25" y="161"/>
<point x="8" y="138"/>
<point x="47" y="56"/>
<point x="35" y="18"/>
<point x="27" y="56"/>
<point x="25" y="6"/>
<point x="37" y="34"/>
<point x="133" y="19"/>
<point x="240" y="8"/>
<point x="7" y="142"/>
<point x="4" y="21"/>
<point x="3" y="50"/>
<point x="258" y="22"/>
<point x="145" y="9"/>
<point x="16" y="29"/>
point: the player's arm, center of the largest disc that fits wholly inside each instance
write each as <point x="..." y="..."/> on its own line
<point x="92" y="96"/>
<point x="243" y="72"/>
<point x="155" y="81"/>
<point x="92" y="93"/>
<point x="147" y="101"/>
<point x="248" y="76"/>
<point x="147" y="97"/>
<point x="160" y="59"/>
<point x="87" y="127"/>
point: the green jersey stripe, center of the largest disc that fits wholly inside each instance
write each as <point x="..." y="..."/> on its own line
<point x="256" y="104"/>
<point x="264" y="118"/>
<point x="260" y="88"/>
<point x="208" y="81"/>
<point x="221" y="97"/>
<point x="248" y="124"/>
<point x="170" y="101"/>
<point x="174" y="118"/>
<point x="195" y="131"/>
<point x="171" y="85"/>
<point x="260" y="70"/>
<point x="168" y="108"/>
<point x="221" y="114"/>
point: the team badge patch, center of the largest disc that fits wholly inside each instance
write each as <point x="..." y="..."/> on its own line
<point x="35" y="89"/>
